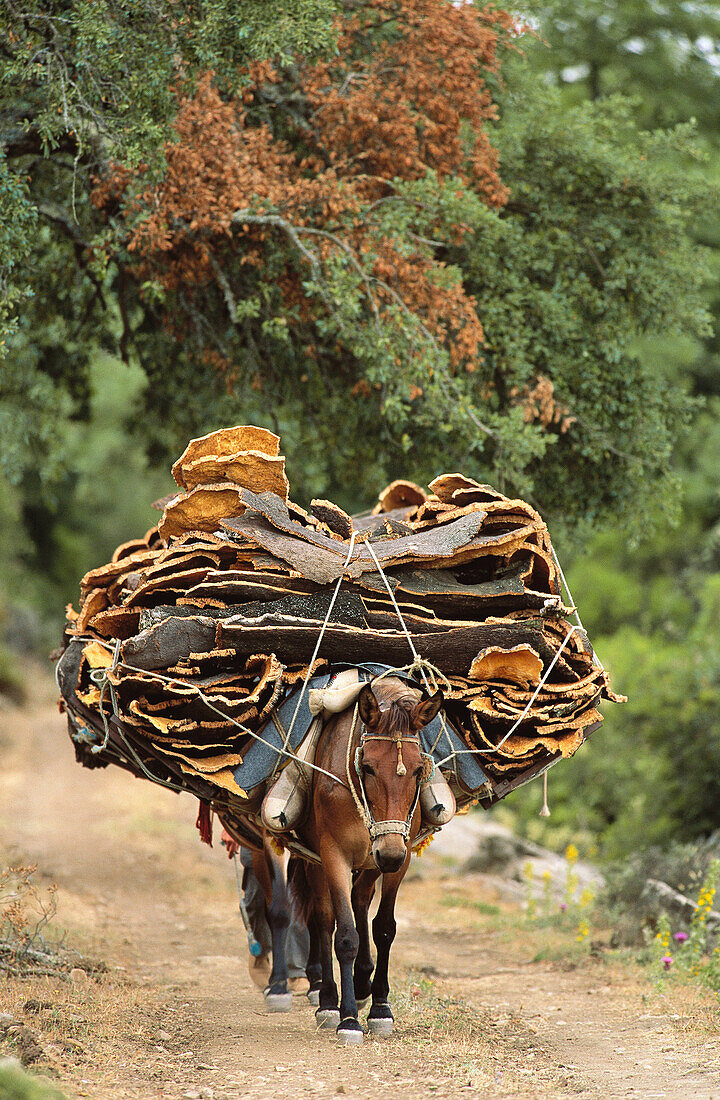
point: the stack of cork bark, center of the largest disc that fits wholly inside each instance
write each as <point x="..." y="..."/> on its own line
<point x="189" y="638"/>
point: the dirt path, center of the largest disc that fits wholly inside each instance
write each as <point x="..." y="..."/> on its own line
<point x="161" y="909"/>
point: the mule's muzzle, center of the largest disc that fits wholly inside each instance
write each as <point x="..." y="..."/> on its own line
<point x="389" y="853"/>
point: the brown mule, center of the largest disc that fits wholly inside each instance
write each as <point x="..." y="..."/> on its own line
<point x="361" y="834"/>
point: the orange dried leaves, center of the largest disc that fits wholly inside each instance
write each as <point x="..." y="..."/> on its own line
<point x="406" y="94"/>
<point x="397" y="108"/>
<point x="540" y="405"/>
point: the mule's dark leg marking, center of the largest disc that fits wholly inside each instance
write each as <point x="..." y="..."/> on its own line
<point x="314" y="963"/>
<point x="278" y="919"/>
<point x="328" y="989"/>
<point x="325" y="924"/>
<point x="346" y="949"/>
<point x="361" y="897"/>
<point x="384" y="928"/>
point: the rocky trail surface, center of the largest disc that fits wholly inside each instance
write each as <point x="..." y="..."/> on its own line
<point x="476" y="1010"/>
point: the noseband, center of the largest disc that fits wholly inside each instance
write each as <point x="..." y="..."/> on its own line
<point x="379" y="829"/>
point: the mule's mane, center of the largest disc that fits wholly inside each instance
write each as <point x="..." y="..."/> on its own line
<point x="395" y="720"/>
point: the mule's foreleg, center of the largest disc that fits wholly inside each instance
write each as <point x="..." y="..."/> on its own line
<point x="339" y="879"/>
<point x="362" y="892"/>
<point x="314" y="962"/>
<point x="327" y="1015"/>
<point x="380" y="1017"/>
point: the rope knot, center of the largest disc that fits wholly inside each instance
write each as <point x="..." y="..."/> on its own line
<point x="401" y="769"/>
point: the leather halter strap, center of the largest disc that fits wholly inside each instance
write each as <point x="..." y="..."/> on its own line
<point x="379" y="829"/>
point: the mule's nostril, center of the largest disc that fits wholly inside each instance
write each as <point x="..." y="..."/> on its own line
<point x="388" y="864"/>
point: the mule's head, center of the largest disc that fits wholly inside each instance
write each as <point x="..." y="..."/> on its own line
<point x="390" y="763"/>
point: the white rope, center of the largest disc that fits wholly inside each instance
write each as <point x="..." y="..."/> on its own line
<point x="319" y="641"/>
<point x="545" y="809"/>
<point x="596" y="660"/>
<point x="515" y="724"/>
<point x="363" y="810"/>
<point x="100" y="677"/>
<point x="391" y="594"/>
<point x="419" y="663"/>
<point x="221" y="713"/>
<point x="229" y="718"/>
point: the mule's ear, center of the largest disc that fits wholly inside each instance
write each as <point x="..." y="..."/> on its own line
<point x="424" y="712"/>
<point x="368" y="706"/>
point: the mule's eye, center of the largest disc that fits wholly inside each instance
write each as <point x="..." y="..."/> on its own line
<point x="367" y="770"/>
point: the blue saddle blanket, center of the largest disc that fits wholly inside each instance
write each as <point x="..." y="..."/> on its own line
<point x="261" y="760"/>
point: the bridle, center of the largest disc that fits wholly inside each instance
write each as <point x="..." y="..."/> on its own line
<point x="375" y="828"/>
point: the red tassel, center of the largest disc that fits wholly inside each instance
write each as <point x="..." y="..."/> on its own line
<point x="204" y="822"/>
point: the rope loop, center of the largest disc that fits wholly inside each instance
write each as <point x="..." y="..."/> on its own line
<point x="362" y="807"/>
<point x="432" y="677"/>
<point x="100" y="677"/>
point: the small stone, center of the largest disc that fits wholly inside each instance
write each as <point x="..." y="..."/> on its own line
<point x="165" y="1036"/>
<point x="207" y="1093"/>
<point x="78" y="975"/>
<point x="74" y="1046"/>
<point x="28" y="1046"/>
<point x="192" y="1094"/>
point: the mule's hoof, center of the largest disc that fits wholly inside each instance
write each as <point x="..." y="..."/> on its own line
<point x="362" y="1001"/>
<point x="278" y="1002"/>
<point x="314" y="996"/>
<point x="350" y="1033"/>
<point x="380" y="1021"/>
<point x="327" y="1018"/>
<point x="381" y="1029"/>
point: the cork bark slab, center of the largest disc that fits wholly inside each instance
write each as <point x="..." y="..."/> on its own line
<point x="226" y="441"/>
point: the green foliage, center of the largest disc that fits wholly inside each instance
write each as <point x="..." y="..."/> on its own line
<point x="592" y="251"/>
<point x="682" y="865"/>
<point x="53" y="530"/>
<point x="12" y="681"/>
<point x="87" y="83"/>
<point x="692" y="956"/>
<point x="666" y="56"/>
<point x="17" y="220"/>
<point x="666" y="59"/>
<point x="82" y="85"/>
<point x="648" y="775"/>
<point x="16" y="1084"/>
<point x="88" y="73"/>
<point x="591" y="254"/>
